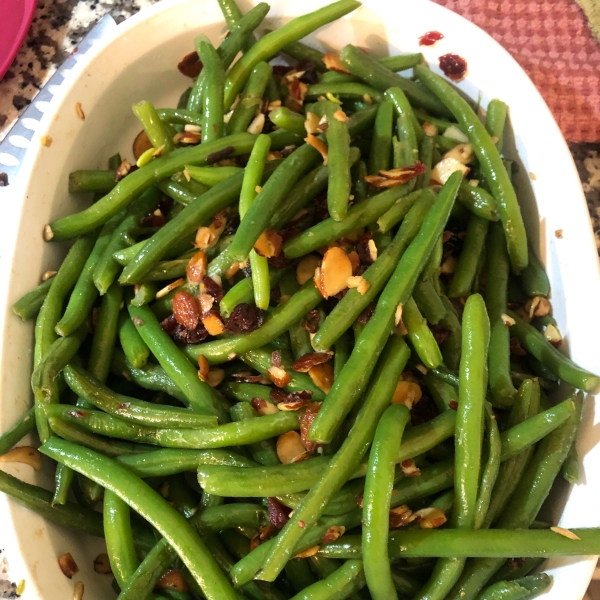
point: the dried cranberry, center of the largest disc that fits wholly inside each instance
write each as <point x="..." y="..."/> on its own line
<point x="276" y="358"/>
<point x="212" y="288"/>
<point x="278" y="395"/>
<point x="3" y="179"/>
<point x="275" y="295"/>
<point x="244" y="318"/>
<point x="180" y="334"/>
<point x="311" y="321"/>
<point x="306" y="420"/>
<point x="366" y="314"/>
<point x="232" y="224"/>
<point x="423" y="411"/>
<point x="280" y="70"/>
<point x="165" y="204"/>
<point x="285" y="152"/>
<point x="153" y="220"/>
<point x="453" y="66"/>
<point x="190" y="65"/>
<point x="321" y="212"/>
<point x="430" y="38"/>
<point x="440" y="333"/>
<point x="311" y="76"/>
<point x="279" y="262"/>
<point x="278" y="514"/>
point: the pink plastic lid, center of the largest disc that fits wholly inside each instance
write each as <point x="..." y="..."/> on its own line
<point x="15" y="21"/>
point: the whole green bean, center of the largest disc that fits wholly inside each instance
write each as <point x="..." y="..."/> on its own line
<point x="134" y="347"/>
<point x="178" y="116"/>
<point x="212" y="99"/>
<point x="14" y="434"/>
<point x="29" y="305"/>
<point x="376" y="501"/>
<point x="138" y="411"/>
<point x="352" y="380"/>
<point x="381" y="78"/>
<point x="495" y="121"/>
<point x="534" y="278"/>
<point x="152" y="507"/>
<point x="538" y="346"/>
<point x="338" y="163"/>
<point x="420" y="336"/>
<point x="157" y="131"/>
<point x="273" y="42"/>
<point x="381" y="142"/>
<point x="490" y="162"/>
<point x="358" y="216"/>
<point x="283" y="316"/>
<point x="337" y="586"/>
<point x="210" y="176"/>
<point x="96" y="181"/>
<point x="240" y="433"/>
<point x="288" y="119"/>
<point x="200" y="396"/>
<point x="137" y="182"/>
<point x="478" y="201"/>
<point x="251" y="98"/>
<point x="466" y="268"/>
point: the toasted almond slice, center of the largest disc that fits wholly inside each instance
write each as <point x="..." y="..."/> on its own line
<point x="398" y="314"/>
<point x="168" y="288"/>
<point x="404" y="174"/>
<point x="273" y="105"/>
<point x="102" y="564"/>
<point x="233" y="269"/>
<point x="430" y="129"/>
<point x="203" y="367"/>
<point x="332" y="61"/>
<point x="206" y="303"/>
<point x="565" y="532"/>
<point x="537" y="307"/>
<point x="340" y="115"/>
<point x="318" y="145"/>
<point x="360" y="283"/>
<point x="318" y="282"/>
<point x="213" y="324"/>
<point x="400" y="516"/>
<point x="354" y="260"/>
<point x="262" y="407"/>
<point x="407" y="393"/>
<point x="508" y="321"/>
<point x="308" y="552"/>
<point x="79" y="111"/>
<point x="322" y="376"/>
<point x="448" y="266"/>
<point x="279" y="376"/>
<point x="454" y="133"/>
<point x="290" y="448"/>
<point x="215" y="377"/>
<point x="442" y="171"/>
<point x="333" y="533"/>
<point x="306" y="268"/>
<point x="257" y="124"/>
<point x="463" y="153"/>
<point x="336" y="268"/>
<point x="48" y="275"/>
<point x="268" y="244"/>
<point x="67" y="565"/>
<point x="552" y="334"/>
<point x="46" y="141"/>
<point x="409" y="468"/>
<point x="78" y="590"/>
<point x="430" y="518"/>
<point x="26" y="455"/>
<point x="311" y="123"/>
<point x="173" y="580"/>
<point x="205" y="238"/>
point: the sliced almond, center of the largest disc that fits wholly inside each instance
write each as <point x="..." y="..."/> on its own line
<point x="407" y="393"/>
<point x="322" y="376"/>
<point x="311" y="123"/>
<point x="78" y="590"/>
<point x="26" y="455"/>
<point x="333" y="63"/>
<point x="336" y="268"/>
<point x="306" y="268"/>
<point x="430" y="518"/>
<point x="552" y="334"/>
<point x="430" y="129"/>
<point x="169" y="288"/>
<point x="398" y="315"/>
<point x="203" y="367"/>
<point x="205" y="238"/>
<point x="565" y="533"/>
<point x="537" y="306"/>
<point x="102" y="564"/>
<point x="409" y="468"/>
<point x="442" y="171"/>
<point x="279" y="376"/>
<point x="233" y="269"/>
<point x="297" y="92"/>
<point x="304" y="363"/>
<point x="448" y="266"/>
<point x="508" y="321"/>
<point x="340" y="115"/>
<point x="354" y="261"/>
<point x="400" y="516"/>
<point x="308" y="552"/>
<point x="79" y="111"/>
<point x="213" y="324"/>
<point x="360" y="283"/>
<point x="318" y="145"/>
<point x="463" y="153"/>
<point x="454" y="133"/>
<point x="290" y="448"/>
<point x="206" y="303"/>
<point x="269" y="244"/>
<point x="48" y="275"/>
<point x="215" y="377"/>
<point x="262" y="407"/>
<point x="173" y="580"/>
<point x="67" y="565"/>
<point x="257" y="124"/>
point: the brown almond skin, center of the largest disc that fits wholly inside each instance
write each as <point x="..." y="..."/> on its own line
<point x="186" y="310"/>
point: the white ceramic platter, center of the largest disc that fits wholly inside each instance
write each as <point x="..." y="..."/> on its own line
<point x="139" y="62"/>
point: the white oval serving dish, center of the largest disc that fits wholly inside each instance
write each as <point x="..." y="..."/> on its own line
<point x="139" y="62"/>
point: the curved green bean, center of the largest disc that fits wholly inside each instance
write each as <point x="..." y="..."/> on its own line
<point x="157" y="131"/>
<point x="420" y="336"/>
<point x="29" y="305"/>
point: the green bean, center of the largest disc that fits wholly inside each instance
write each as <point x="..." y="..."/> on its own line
<point x="426" y="158"/>
<point x="401" y="62"/>
<point x="219" y="351"/>
<point x="495" y="121"/>
<point x="345" y="89"/>
<point x="501" y="385"/>
<point x="150" y="506"/>
<point x="491" y="469"/>
<point x="570" y="468"/>
<point x="158" y="132"/>
<point x="14" y="434"/>
<point x="432" y="267"/>
<point x="306" y="189"/>
<point x="200" y="396"/>
<point x="523" y="435"/>
<point x="106" y="269"/>
<point x="381" y="78"/>
<point x="251" y="99"/>
<point x="338" y="163"/>
<point x="433" y="479"/>
<point x="495" y="544"/>
<point x="406" y="133"/>
<point x="62" y="283"/>
<point x="264" y="452"/>
<point x="234" y="515"/>
<point x="420" y="336"/>
<point x="131" y="409"/>
<point x="176" y="191"/>
<point x="534" y="278"/>
<point x="337" y="586"/>
<point x="137" y="182"/>
<point x="398" y="211"/>
<point x="376" y="502"/>
<point x="301" y="51"/>
<point x="178" y="116"/>
<point x="442" y="393"/>
<point x="352" y="380"/>
<point x="146" y="292"/>
<point x="299" y="573"/>
<point x="273" y="42"/>
<point x="451" y="348"/>
<point x="478" y="201"/>
<point x="345" y="461"/>
<point x="516" y="568"/>
<point x="358" y="216"/>
<point x="538" y="346"/>
<point x="428" y="301"/>
<point x="491" y="164"/>
<point x="134" y="347"/>
<point x="210" y="176"/>
<point x="523" y="506"/>
<point x="299" y="340"/>
<point x="29" y="305"/>
<point x="119" y="538"/>
<point x="241" y="433"/>
<point x="96" y="181"/>
<point x="444" y="144"/>
<point x="381" y="142"/>
<point x="520" y="589"/>
<point x="343" y="349"/>
<point x="441" y="124"/>
<point x="213" y="75"/>
<point x="287" y="119"/>
<point x="466" y="268"/>
<point x="245" y="392"/>
<point x="43" y="383"/>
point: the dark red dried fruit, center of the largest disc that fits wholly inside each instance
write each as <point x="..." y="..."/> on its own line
<point x="440" y="333"/>
<point x="306" y="420"/>
<point x="212" y="288"/>
<point x="153" y="220"/>
<point x="430" y="38"/>
<point x="364" y="252"/>
<point x="285" y="152"/>
<point x="232" y="224"/>
<point x="244" y="318"/>
<point x="278" y="514"/>
<point x="453" y="404"/>
<point x="311" y="321"/>
<point x="258" y="403"/>
<point x="365" y="315"/>
<point x="190" y="65"/>
<point x="215" y="157"/>
<point x="515" y="347"/>
<point x="280" y="70"/>
<point x="186" y="310"/>
<point x="275" y="295"/>
<point x="180" y="334"/>
<point x="276" y="358"/>
<point x="279" y="262"/>
<point x="304" y="363"/>
<point x="423" y="411"/>
<point x="3" y="179"/>
<point x="311" y="75"/>
<point x="278" y="395"/>
<point x="292" y="401"/>
<point x="453" y="66"/>
<point x="165" y="204"/>
<point x="320" y="204"/>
